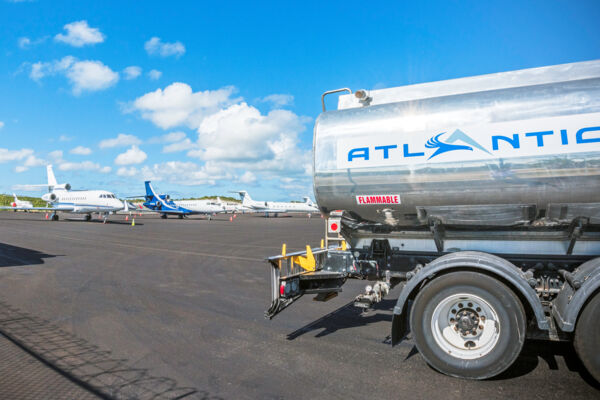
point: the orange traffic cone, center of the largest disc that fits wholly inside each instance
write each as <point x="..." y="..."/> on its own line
<point x="127" y="218"/>
<point x="46" y="215"/>
<point x="234" y="215"/>
<point x="230" y="219"/>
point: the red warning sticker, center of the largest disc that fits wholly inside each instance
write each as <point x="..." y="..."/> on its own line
<point x="378" y="199"/>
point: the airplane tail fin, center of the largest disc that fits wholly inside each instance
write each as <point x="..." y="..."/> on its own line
<point x="246" y="199"/>
<point x="51" y="178"/>
<point x="15" y="196"/>
<point x="149" y="190"/>
<point x="307" y="200"/>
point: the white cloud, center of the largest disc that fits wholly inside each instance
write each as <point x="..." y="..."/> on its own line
<point x="14" y="155"/>
<point x="56" y="155"/>
<point x="247" y="177"/>
<point x="80" y="34"/>
<point x="105" y="170"/>
<point x="155" y="46"/>
<point x="81" y="151"/>
<point x="185" y="173"/>
<point x="128" y="171"/>
<point x="1" y="124"/>
<point x="65" y="138"/>
<point x="177" y="105"/>
<point x="24" y="42"/>
<point x="132" y="72"/>
<point x="168" y="138"/>
<point x="30" y="161"/>
<point x="154" y="74"/>
<point x="91" y="76"/>
<point x="82" y="75"/>
<point x="79" y="166"/>
<point x="279" y="100"/>
<point x="133" y="155"/>
<point x="232" y="135"/>
<point x="184" y="145"/>
<point x="121" y="140"/>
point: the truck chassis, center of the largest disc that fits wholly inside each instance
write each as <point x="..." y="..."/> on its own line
<point x="469" y="295"/>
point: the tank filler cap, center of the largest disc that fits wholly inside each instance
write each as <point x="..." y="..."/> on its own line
<point x="363" y="97"/>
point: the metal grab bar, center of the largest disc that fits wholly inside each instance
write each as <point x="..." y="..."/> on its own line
<point x="330" y="92"/>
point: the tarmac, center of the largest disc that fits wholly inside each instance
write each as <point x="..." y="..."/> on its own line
<point x="174" y="309"/>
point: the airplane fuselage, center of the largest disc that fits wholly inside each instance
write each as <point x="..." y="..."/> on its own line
<point x="84" y="201"/>
<point x="281" y="207"/>
<point x="199" y="206"/>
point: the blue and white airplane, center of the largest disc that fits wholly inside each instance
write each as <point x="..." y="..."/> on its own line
<point x="162" y="203"/>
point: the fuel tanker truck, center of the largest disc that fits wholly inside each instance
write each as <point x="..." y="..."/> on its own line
<point x="478" y="199"/>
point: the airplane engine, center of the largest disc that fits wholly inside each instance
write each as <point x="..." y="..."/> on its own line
<point x="167" y="197"/>
<point x="51" y="197"/>
<point x="67" y="186"/>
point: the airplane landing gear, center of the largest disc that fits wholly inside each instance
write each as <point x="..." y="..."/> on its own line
<point x="180" y="216"/>
<point x="163" y="216"/>
<point x="54" y="217"/>
<point x="87" y="217"/>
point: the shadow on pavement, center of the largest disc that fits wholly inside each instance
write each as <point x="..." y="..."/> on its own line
<point x="346" y="317"/>
<point x="94" y="369"/>
<point x="14" y="256"/>
<point x="533" y="351"/>
<point x="549" y="352"/>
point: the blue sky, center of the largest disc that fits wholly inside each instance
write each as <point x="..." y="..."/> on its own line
<point x="206" y="97"/>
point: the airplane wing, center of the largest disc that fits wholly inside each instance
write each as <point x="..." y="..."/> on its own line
<point x="38" y="208"/>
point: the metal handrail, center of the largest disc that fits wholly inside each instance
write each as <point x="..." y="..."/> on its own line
<point x="330" y="92"/>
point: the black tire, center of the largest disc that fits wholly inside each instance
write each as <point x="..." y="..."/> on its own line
<point x="510" y="316"/>
<point x="587" y="337"/>
<point x="55" y="217"/>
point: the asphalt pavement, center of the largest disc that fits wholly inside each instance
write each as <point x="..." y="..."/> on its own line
<point x="174" y="309"/>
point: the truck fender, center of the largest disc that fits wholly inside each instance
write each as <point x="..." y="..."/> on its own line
<point x="471" y="260"/>
<point x="584" y="282"/>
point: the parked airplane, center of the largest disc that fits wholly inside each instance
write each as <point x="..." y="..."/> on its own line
<point x="21" y="204"/>
<point x="164" y="205"/>
<point x="60" y="198"/>
<point x="277" y="207"/>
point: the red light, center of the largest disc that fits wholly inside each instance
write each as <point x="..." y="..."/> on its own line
<point x="14" y="204"/>
<point x="282" y="289"/>
<point x="334" y="227"/>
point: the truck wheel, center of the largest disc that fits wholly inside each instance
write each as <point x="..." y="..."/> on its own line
<point x="468" y="325"/>
<point x="587" y="337"/>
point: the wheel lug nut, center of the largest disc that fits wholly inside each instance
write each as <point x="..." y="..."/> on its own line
<point x="470" y="304"/>
<point x="481" y="327"/>
<point x="460" y="305"/>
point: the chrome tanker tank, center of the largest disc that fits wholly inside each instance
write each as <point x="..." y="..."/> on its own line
<point x="513" y="148"/>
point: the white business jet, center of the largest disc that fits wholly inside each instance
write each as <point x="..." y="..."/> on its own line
<point x="21" y="204"/>
<point x="277" y="207"/>
<point x="60" y="198"/>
